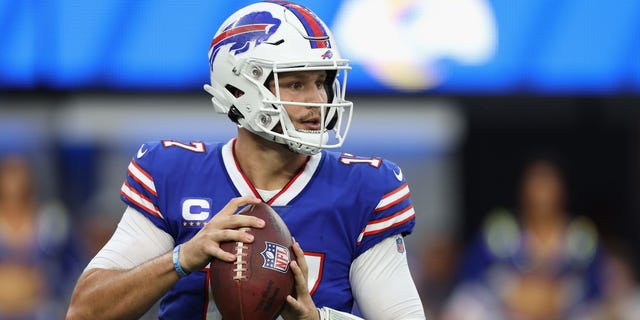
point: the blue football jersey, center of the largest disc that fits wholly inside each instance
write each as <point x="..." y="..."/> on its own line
<point x="337" y="207"/>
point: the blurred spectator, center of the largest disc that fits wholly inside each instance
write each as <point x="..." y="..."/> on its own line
<point x="621" y="292"/>
<point x="36" y="259"/>
<point x="436" y="274"/>
<point x="540" y="264"/>
<point x="99" y="220"/>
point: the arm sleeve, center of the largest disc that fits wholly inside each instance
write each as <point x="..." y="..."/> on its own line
<point x="382" y="284"/>
<point x="135" y="241"/>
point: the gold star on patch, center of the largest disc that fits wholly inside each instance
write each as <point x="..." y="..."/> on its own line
<point x="198" y="223"/>
<point x="191" y="223"/>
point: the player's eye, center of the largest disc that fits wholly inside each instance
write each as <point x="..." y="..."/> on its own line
<point x="295" y="85"/>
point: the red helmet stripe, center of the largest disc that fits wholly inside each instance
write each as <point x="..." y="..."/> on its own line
<point x="236" y="31"/>
<point x="310" y="21"/>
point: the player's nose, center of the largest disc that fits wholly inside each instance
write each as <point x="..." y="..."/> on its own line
<point x="316" y="95"/>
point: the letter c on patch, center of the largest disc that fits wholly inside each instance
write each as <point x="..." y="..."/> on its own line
<point x="196" y="209"/>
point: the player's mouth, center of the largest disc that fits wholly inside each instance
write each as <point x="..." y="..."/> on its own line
<point x="310" y="124"/>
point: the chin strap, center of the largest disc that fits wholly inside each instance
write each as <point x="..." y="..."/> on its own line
<point x="330" y="314"/>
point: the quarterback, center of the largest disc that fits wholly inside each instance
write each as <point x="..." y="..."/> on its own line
<point x="277" y="73"/>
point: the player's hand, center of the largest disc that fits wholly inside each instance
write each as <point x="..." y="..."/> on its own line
<point x="224" y="226"/>
<point x="301" y="307"/>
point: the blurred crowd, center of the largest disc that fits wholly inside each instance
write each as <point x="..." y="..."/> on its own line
<point x="38" y="254"/>
<point x="536" y="261"/>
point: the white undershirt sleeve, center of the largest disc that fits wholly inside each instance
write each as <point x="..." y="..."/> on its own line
<point x="135" y="241"/>
<point x="382" y="284"/>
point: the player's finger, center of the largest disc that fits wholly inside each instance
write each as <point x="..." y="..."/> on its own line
<point x="225" y="218"/>
<point x="234" y="222"/>
<point x="217" y="253"/>
<point x="232" y="206"/>
<point x="198" y="251"/>
<point x="239" y="221"/>
<point x="295" y="305"/>
<point x="226" y="235"/>
<point x="300" y="280"/>
<point x="302" y="262"/>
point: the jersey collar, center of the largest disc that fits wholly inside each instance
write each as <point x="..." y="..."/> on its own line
<point x="288" y="193"/>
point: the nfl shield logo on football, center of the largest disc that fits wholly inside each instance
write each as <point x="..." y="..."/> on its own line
<point x="276" y="257"/>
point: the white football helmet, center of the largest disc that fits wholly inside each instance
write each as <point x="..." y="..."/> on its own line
<point x="253" y="46"/>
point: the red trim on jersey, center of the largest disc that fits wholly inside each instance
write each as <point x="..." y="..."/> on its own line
<point x="140" y="205"/>
<point x="394" y="191"/>
<point x="391" y="204"/>
<point x="289" y="183"/>
<point x="253" y="189"/>
<point x="246" y="180"/>
<point x="391" y="217"/>
<point x="320" y="270"/>
<point x="146" y="174"/>
<point x="207" y="283"/>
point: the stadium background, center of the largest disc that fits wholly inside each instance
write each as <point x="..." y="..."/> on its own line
<point x="459" y="93"/>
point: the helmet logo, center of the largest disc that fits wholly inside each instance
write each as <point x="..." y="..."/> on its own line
<point x="327" y="55"/>
<point x="255" y="27"/>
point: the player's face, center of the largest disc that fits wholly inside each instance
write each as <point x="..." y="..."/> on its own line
<point x="303" y="86"/>
<point x="543" y="186"/>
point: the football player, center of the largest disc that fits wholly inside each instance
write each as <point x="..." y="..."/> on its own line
<point x="276" y="72"/>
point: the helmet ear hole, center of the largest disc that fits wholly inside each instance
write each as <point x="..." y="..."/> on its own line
<point x="234" y="91"/>
<point x="234" y="114"/>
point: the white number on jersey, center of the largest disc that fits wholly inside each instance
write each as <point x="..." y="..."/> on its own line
<point x="193" y="146"/>
<point x="315" y="261"/>
<point x="349" y="159"/>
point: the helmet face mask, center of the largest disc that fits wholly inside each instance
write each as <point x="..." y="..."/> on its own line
<point x="255" y="46"/>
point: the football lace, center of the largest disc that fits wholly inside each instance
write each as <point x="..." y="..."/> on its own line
<point x="240" y="261"/>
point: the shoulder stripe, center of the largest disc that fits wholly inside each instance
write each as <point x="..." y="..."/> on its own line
<point x="384" y="224"/>
<point x="144" y="178"/>
<point x="394" y="197"/>
<point x="140" y="200"/>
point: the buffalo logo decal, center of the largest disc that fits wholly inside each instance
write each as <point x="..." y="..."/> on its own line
<point x="256" y="28"/>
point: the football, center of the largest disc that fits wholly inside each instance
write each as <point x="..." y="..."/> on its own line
<point x="256" y="285"/>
